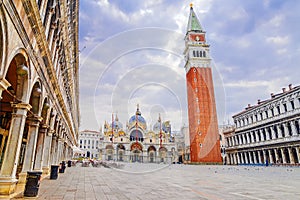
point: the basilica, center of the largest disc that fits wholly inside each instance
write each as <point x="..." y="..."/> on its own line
<point x="136" y="142"/>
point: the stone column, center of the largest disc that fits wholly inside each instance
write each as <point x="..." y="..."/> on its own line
<point x="254" y="157"/>
<point x="259" y="157"/>
<point x="265" y="156"/>
<point x="246" y="158"/>
<point x="242" y="159"/>
<point x="293" y="127"/>
<point x="261" y="135"/>
<point x="46" y="155"/>
<point x="292" y="160"/>
<point x="267" y="134"/>
<point x="273" y="132"/>
<point x="53" y="150"/>
<point x="239" y="158"/>
<point x="59" y="150"/>
<point x="29" y="158"/>
<point x="252" y="136"/>
<point x="283" y="156"/>
<point x="4" y="84"/>
<point x="11" y="157"/>
<point x="286" y="130"/>
<point x="298" y="154"/>
<point x="271" y="157"/>
<point x="38" y="166"/>
<point x="248" y="138"/>
<point x="279" y="131"/>
<point x="256" y="136"/>
<point x="250" y="157"/>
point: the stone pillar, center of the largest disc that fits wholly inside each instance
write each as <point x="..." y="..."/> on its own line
<point x="29" y="158"/>
<point x="244" y="138"/>
<point x="246" y="158"/>
<point x="59" y="150"/>
<point x="293" y="127"/>
<point x="270" y="156"/>
<point x="265" y="156"/>
<point x="298" y="154"/>
<point x="259" y="157"/>
<point x="239" y="159"/>
<point x="292" y="160"/>
<point x="252" y="136"/>
<point x="38" y="166"/>
<point x="267" y="134"/>
<point x="242" y="158"/>
<point x="256" y="135"/>
<point x="261" y="135"/>
<point x="46" y="155"/>
<point x="250" y="157"/>
<point x="279" y="131"/>
<point x="11" y="157"/>
<point x="248" y="138"/>
<point x="286" y="130"/>
<point x="4" y="84"/>
<point x="272" y="132"/>
<point x="254" y="157"/>
<point x="283" y="156"/>
<point x="53" y="150"/>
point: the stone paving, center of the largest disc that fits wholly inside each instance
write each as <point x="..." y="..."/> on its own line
<point x="159" y="181"/>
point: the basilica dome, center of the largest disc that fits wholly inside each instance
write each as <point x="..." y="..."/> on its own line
<point x="137" y="118"/>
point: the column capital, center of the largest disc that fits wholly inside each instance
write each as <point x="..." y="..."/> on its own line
<point x="34" y="120"/>
<point x="21" y="105"/>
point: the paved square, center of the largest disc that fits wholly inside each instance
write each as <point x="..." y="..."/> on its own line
<point x="157" y="181"/>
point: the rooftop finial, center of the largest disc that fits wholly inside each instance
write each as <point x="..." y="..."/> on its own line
<point x="191" y="5"/>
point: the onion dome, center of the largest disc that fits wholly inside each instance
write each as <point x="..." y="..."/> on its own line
<point x="137" y="118"/>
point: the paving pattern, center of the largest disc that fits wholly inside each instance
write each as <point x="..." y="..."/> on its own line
<point x="158" y="181"/>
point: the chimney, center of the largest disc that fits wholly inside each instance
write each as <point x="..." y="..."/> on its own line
<point x="258" y="101"/>
<point x="283" y="90"/>
<point x="290" y="86"/>
<point x="272" y="95"/>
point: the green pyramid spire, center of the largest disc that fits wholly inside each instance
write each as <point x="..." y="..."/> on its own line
<point x="194" y="23"/>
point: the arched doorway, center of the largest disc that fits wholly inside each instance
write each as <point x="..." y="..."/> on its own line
<point x="136" y="150"/>
<point x="120" y="152"/>
<point x="13" y="111"/>
<point x="109" y="152"/>
<point x="163" y="154"/>
<point x="152" y="154"/>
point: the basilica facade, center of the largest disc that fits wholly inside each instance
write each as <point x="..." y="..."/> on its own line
<point x="39" y="113"/>
<point x="136" y="142"/>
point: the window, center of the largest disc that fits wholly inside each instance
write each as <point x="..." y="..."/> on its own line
<point x="150" y="140"/>
<point x="272" y="111"/>
<point x="278" y="109"/>
<point x="194" y="53"/>
<point x="200" y="145"/>
<point x="267" y="116"/>
<point x="293" y="105"/>
<point x="121" y="139"/>
<point x="200" y="53"/>
<point x="197" y="53"/>
<point x="80" y="141"/>
<point x="261" y="116"/>
<point x="285" y="107"/>
<point x="204" y="54"/>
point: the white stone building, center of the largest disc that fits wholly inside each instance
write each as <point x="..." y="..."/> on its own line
<point x="89" y="142"/>
<point x="268" y="132"/>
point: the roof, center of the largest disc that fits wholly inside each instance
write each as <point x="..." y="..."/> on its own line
<point x="193" y="23"/>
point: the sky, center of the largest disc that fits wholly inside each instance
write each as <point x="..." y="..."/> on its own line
<point x="131" y="52"/>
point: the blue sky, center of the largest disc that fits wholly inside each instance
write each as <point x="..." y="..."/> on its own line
<point x="133" y="54"/>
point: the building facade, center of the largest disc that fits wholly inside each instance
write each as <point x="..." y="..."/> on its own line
<point x="89" y="143"/>
<point x="203" y="123"/>
<point x="268" y="132"/>
<point x="39" y="114"/>
<point x="136" y="143"/>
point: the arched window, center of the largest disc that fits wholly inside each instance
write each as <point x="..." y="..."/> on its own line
<point x="204" y="54"/>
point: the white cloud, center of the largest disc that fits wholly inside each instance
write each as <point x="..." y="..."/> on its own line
<point x="278" y="40"/>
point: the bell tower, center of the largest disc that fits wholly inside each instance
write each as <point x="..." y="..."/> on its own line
<point x="202" y="114"/>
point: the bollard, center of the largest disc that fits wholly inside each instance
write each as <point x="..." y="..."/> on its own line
<point x="54" y="172"/>
<point x="32" y="184"/>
